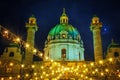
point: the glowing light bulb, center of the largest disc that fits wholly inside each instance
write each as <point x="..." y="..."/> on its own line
<point x="18" y="76"/>
<point x="40" y="54"/>
<point x="11" y="64"/>
<point x="18" y="39"/>
<point x="34" y="50"/>
<point x="6" y="32"/>
<point x="35" y="74"/>
<point x="2" y="78"/>
<point x="100" y="62"/>
<point x="33" y="66"/>
<point x="96" y="70"/>
<point x="110" y="59"/>
<point x="10" y="77"/>
<point x="92" y="64"/>
<point x="22" y="65"/>
<point x="27" y="75"/>
<point x="102" y="73"/>
<point x="106" y="70"/>
<point x="42" y="67"/>
<point x="27" y="45"/>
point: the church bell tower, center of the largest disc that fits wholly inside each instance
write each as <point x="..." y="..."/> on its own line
<point x="31" y="29"/>
<point x="95" y="27"/>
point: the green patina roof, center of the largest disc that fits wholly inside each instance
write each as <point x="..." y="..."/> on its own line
<point x="63" y="27"/>
<point x="113" y="44"/>
<point x="13" y="45"/>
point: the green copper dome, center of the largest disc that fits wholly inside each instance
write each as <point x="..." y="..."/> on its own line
<point x="64" y="30"/>
<point x="64" y="27"/>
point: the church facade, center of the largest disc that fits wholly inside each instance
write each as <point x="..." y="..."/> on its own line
<point x="64" y="42"/>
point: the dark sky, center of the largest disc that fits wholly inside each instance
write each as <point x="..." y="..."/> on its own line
<point x="15" y="13"/>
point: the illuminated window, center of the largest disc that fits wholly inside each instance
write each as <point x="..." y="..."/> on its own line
<point x="116" y="54"/>
<point x="63" y="54"/>
<point x="11" y="54"/>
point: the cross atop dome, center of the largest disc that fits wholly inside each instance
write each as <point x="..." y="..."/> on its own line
<point x="64" y="18"/>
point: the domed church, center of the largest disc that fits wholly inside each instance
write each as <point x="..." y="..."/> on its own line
<point x="63" y="57"/>
<point x="64" y="42"/>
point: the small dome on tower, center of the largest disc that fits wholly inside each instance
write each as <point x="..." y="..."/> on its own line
<point x="95" y="19"/>
<point x="64" y="18"/>
<point x="32" y="20"/>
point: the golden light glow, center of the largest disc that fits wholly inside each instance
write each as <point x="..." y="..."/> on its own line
<point x="6" y="32"/>
<point x="27" y="75"/>
<point x="22" y="65"/>
<point x="40" y="54"/>
<point x="118" y="75"/>
<point x="36" y="78"/>
<point x="10" y="77"/>
<point x="81" y="75"/>
<point x="42" y="67"/>
<point x="100" y="62"/>
<point x="84" y="65"/>
<point x="46" y="58"/>
<point x="35" y="74"/>
<point x="27" y="45"/>
<point x="92" y="64"/>
<point x="33" y="66"/>
<point x="11" y="64"/>
<point x="96" y="70"/>
<point x="18" y="76"/>
<point x="93" y="72"/>
<point x="18" y="39"/>
<point x="51" y="60"/>
<point x="91" y="79"/>
<point x="34" y="50"/>
<point x="2" y="78"/>
<point x="44" y="72"/>
<point x="110" y="59"/>
<point x="102" y="73"/>
<point x="106" y="70"/>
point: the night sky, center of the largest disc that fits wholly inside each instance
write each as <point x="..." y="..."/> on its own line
<point x="15" y="13"/>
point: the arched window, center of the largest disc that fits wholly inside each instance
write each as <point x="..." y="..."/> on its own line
<point x="116" y="54"/>
<point x="11" y="54"/>
<point x="63" y="53"/>
<point x="64" y="21"/>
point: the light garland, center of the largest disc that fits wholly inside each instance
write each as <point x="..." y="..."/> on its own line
<point x="14" y="38"/>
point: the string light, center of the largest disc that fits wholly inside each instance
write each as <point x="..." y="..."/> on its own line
<point x="11" y="64"/>
<point x="10" y="36"/>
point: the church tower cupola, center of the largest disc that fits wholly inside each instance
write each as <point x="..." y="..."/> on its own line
<point x="64" y="18"/>
<point x="95" y="20"/>
<point x="95" y="27"/>
<point x="31" y="29"/>
<point x="32" y="20"/>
